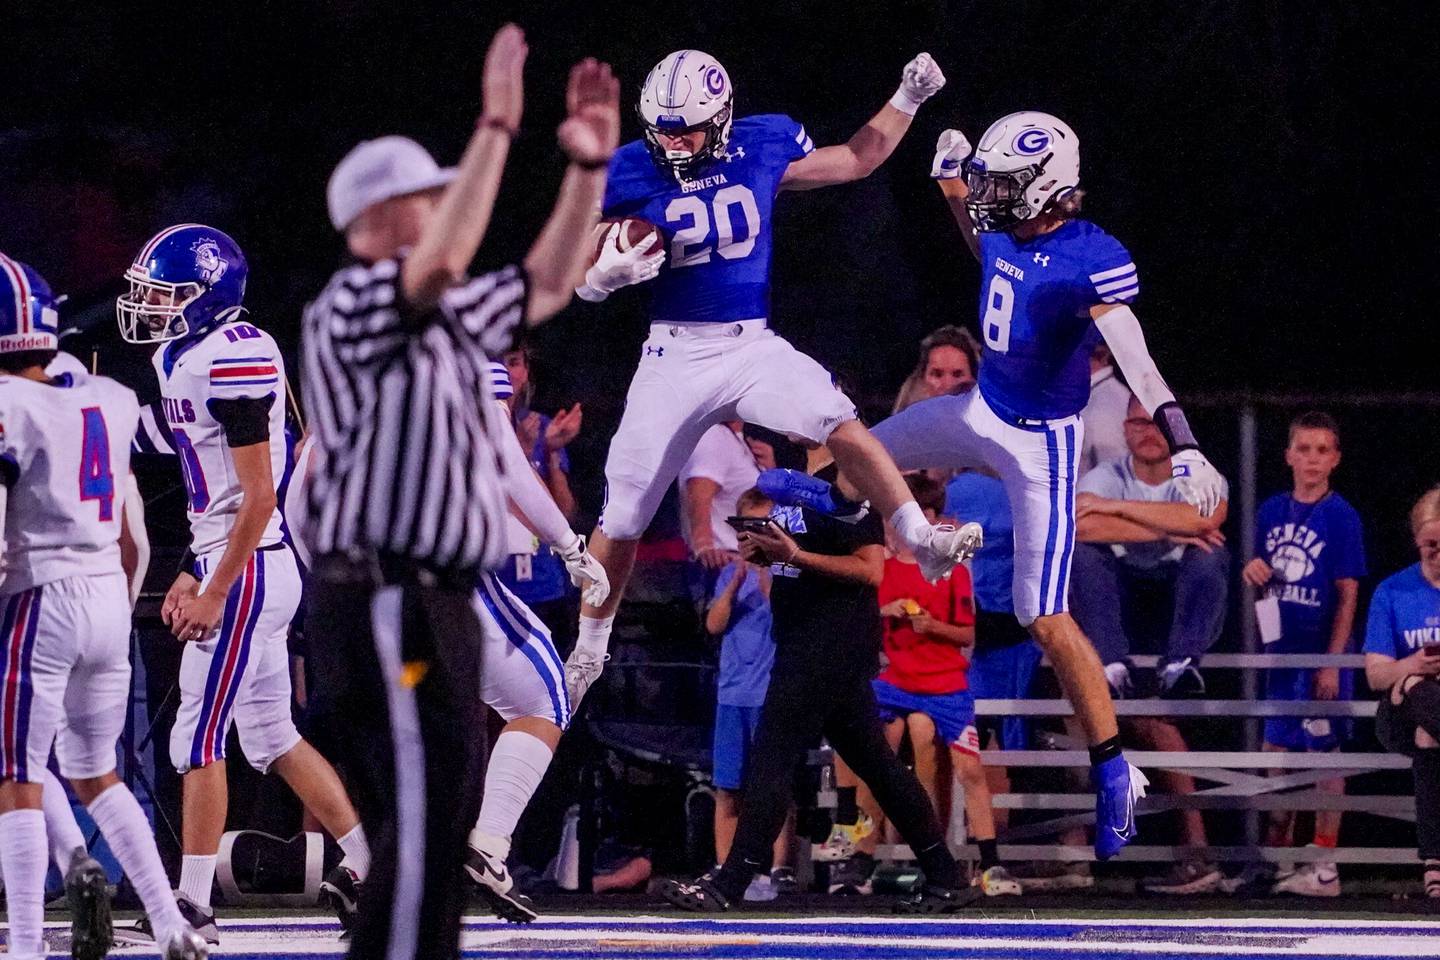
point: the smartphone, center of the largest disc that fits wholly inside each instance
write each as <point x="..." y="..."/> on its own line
<point x="1431" y="649"/>
<point x="746" y="524"/>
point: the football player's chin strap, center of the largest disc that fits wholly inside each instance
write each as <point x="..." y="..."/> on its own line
<point x="1121" y="330"/>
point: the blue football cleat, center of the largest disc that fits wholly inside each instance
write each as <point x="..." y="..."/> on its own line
<point x="791" y="488"/>
<point x="1118" y="785"/>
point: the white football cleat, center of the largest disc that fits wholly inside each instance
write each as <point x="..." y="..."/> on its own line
<point x="185" y="945"/>
<point x="948" y="546"/>
<point x="581" y="671"/>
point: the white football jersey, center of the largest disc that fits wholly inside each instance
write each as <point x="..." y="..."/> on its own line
<point x="233" y="361"/>
<point x="67" y="446"/>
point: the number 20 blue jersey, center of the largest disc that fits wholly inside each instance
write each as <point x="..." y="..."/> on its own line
<point x="1035" y="300"/>
<point x="716" y="227"/>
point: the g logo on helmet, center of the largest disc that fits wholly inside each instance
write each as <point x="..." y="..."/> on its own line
<point x="714" y="82"/>
<point x="1030" y="142"/>
<point x="208" y="261"/>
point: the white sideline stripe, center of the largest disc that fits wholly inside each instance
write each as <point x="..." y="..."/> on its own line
<point x="325" y="924"/>
<point x="1202" y="759"/>
<point x="1183" y="708"/>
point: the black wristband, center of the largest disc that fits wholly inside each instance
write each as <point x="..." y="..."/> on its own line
<point x="495" y="123"/>
<point x="1174" y="427"/>
<point x="187" y="561"/>
<point x="590" y="164"/>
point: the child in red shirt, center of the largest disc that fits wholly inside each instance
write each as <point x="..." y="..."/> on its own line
<point x="929" y="630"/>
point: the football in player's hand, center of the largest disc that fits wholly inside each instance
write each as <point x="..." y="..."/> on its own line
<point x="632" y="233"/>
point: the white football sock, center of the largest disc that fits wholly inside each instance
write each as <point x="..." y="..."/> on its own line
<point x="197" y="877"/>
<point x="24" y="858"/>
<point x="120" y="819"/>
<point x="357" y="852"/>
<point x="910" y="523"/>
<point x="60" y="825"/>
<point x="594" y="636"/>
<point x="517" y="764"/>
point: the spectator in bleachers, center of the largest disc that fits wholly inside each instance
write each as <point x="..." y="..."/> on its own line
<point x="739" y="617"/>
<point x="922" y="693"/>
<point x="533" y="571"/>
<point x="1104" y="415"/>
<point x="1312" y="556"/>
<point x="1136" y="535"/>
<point x="949" y="361"/>
<point x="1402" y="664"/>
<point x="719" y="470"/>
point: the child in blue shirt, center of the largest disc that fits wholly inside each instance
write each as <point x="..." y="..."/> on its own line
<point x="739" y="616"/>
<point x="1311" y="558"/>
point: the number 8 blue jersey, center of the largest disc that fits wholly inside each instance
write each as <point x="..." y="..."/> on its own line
<point x="1035" y="300"/>
<point x="716" y="227"/>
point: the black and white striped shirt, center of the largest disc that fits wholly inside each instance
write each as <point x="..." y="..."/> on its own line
<point x="409" y="464"/>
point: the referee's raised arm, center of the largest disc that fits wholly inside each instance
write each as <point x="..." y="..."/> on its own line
<point x="404" y="506"/>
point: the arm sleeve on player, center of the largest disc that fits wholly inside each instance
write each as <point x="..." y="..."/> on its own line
<point x="153" y="434"/>
<point x="245" y="420"/>
<point x="1121" y="330"/>
<point x="528" y="493"/>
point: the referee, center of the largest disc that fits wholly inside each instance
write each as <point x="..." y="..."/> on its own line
<point x="404" y="505"/>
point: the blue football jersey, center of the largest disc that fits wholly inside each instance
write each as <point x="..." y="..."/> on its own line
<point x="1404" y="615"/>
<point x="716" y="227"/>
<point x="1035" y="300"/>
<point x="1309" y="546"/>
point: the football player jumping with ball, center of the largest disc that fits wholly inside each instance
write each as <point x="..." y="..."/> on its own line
<point x="709" y="182"/>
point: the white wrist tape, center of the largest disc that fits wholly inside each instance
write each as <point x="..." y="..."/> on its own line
<point x="901" y="101"/>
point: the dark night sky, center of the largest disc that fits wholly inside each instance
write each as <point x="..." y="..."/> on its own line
<point x="1262" y="160"/>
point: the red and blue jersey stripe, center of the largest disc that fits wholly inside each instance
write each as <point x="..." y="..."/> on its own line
<point x="243" y="372"/>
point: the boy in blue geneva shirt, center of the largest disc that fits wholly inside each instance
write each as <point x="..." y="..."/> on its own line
<point x="739" y="616"/>
<point x="1311" y="558"/>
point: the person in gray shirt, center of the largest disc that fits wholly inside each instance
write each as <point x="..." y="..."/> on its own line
<point x="1135" y="533"/>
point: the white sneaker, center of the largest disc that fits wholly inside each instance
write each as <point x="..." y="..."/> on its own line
<point x="581" y="670"/>
<point x="761" y="889"/>
<point x="1311" y="880"/>
<point x="997" y="882"/>
<point x="946" y="547"/>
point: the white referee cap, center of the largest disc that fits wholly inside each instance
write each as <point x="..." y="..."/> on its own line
<point x="378" y="170"/>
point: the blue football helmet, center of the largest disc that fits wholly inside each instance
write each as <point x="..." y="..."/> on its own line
<point x="187" y="279"/>
<point x="28" y="319"/>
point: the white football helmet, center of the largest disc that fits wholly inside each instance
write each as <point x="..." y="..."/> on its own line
<point x="687" y="91"/>
<point x="1024" y="163"/>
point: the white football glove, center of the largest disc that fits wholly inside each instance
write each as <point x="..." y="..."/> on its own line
<point x="950" y="151"/>
<point x="919" y="81"/>
<point x="1198" y="482"/>
<point x="614" y="269"/>
<point x="586" y="572"/>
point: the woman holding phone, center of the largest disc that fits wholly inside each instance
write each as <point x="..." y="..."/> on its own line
<point x="1402" y="664"/>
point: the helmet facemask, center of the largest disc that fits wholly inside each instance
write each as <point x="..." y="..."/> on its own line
<point x="154" y="311"/>
<point x="717" y="135"/>
<point x="1000" y="199"/>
